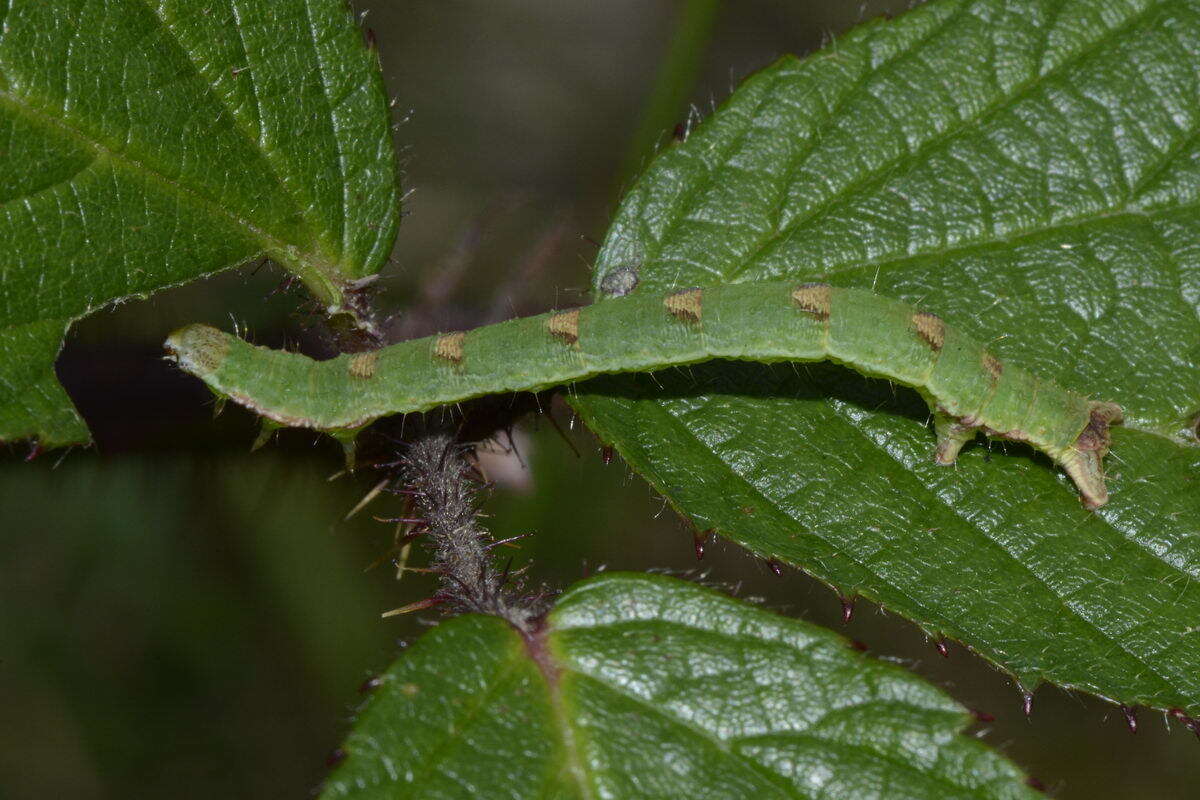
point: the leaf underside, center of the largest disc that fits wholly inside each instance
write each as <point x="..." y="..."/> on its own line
<point x="647" y="686"/>
<point x="147" y="145"/>
<point x="1030" y="171"/>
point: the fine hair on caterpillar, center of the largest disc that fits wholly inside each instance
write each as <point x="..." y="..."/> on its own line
<point x="969" y="390"/>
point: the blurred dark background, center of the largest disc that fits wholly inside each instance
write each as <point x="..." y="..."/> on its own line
<point x="182" y="618"/>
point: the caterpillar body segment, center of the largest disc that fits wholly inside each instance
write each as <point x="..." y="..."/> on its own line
<point x="968" y="389"/>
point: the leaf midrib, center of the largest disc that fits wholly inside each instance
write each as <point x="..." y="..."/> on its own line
<point x="102" y="150"/>
<point x="313" y="259"/>
<point x="337" y="140"/>
<point x="538" y="649"/>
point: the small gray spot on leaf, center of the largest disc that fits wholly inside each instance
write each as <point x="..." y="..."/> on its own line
<point x="619" y="282"/>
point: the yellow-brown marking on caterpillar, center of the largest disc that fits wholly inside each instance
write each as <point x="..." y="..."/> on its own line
<point x="565" y="326"/>
<point x="687" y="305"/>
<point x="993" y="365"/>
<point x="362" y="365"/>
<point x="449" y="347"/>
<point x="814" y="298"/>
<point x="930" y="328"/>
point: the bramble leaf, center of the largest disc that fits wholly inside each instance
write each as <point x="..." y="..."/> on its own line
<point x="149" y="144"/>
<point x="1030" y="171"/>
<point x="647" y="686"/>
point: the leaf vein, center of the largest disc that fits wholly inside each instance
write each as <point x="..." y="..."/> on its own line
<point x="984" y="112"/>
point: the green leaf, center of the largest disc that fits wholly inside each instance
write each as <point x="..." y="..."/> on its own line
<point x="1029" y="170"/>
<point x="647" y="686"/>
<point x="146" y="145"/>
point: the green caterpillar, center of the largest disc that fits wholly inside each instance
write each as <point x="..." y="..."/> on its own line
<point x="967" y="388"/>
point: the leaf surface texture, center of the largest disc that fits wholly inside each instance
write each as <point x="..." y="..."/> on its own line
<point x="1029" y="171"/>
<point x="148" y="144"/>
<point x="644" y="687"/>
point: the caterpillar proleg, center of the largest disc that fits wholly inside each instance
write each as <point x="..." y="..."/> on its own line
<point x="967" y="388"/>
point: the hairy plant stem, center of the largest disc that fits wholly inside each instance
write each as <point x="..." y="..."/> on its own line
<point x="445" y="493"/>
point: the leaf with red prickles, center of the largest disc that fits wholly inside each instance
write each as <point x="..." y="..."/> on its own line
<point x="862" y="166"/>
<point x="548" y="713"/>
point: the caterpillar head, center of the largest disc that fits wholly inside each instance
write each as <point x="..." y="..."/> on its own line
<point x="1083" y="461"/>
<point x="198" y="349"/>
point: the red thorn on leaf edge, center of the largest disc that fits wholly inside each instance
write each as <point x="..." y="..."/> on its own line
<point x="855" y="644"/>
<point x="370" y="684"/>
<point x="775" y="566"/>
<point x="1027" y="702"/>
<point x="606" y="454"/>
<point x="982" y="716"/>
<point x="335" y="758"/>
<point x="1130" y="718"/>
<point x="285" y="285"/>
<point x="35" y="450"/>
<point x="943" y="651"/>
<point x="699" y="539"/>
<point x="1034" y="783"/>
<point x="847" y="609"/>
<point x="1191" y="723"/>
